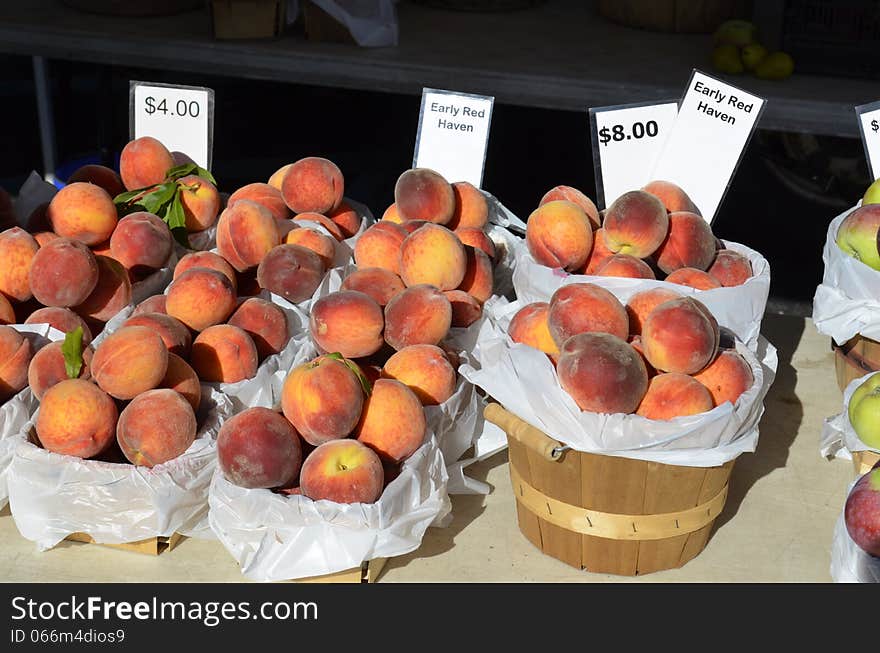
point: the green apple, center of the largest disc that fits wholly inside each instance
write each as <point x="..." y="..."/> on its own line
<point x="864" y="411"/>
<point x="872" y="195"/>
<point x="857" y="235"/>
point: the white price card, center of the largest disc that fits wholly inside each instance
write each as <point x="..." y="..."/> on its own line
<point x="715" y="123"/>
<point x="627" y="139"/>
<point x="453" y="134"/>
<point x="181" y="117"/>
<point x="869" y="125"/>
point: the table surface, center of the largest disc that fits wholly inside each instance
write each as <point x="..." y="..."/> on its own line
<point x="776" y="526"/>
<point x="557" y="55"/>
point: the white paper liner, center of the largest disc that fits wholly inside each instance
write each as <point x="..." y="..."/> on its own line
<point x="839" y="438"/>
<point x="52" y="495"/>
<point x="524" y="381"/>
<point x="849" y="562"/>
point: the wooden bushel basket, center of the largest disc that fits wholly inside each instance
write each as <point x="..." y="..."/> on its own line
<point x="864" y="461"/>
<point x="608" y="514"/>
<point x="855" y="358"/>
<point x="151" y="546"/>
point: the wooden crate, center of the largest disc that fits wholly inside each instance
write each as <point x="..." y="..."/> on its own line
<point x="248" y="19"/>
<point x="321" y="26"/>
<point x="608" y="514"/>
<point x="368" y="572"/>
<point x="151" y="546"/>
<point x="855" y="358"/>
<point x="864" y="461"/>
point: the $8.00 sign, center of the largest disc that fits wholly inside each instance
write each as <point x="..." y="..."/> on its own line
<point x="869" y="125"/>
<point x="181" y="117"/>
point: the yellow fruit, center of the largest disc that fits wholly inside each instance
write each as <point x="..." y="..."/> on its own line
<point x="752" y="54"/>
<point x="736" y="32"/>
<point x="777" y="65"/>
<point x="725" y="58"/>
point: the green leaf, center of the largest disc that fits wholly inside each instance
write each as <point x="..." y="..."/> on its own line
<point x="177" y="172"/>
<point x="176" y="219"/>
<point x="155" y="202"/>
<point x="125" y="198"/>
<point x="72" y="352"/>
<point x="206" y="174"/>
<point x="355" y="368"/>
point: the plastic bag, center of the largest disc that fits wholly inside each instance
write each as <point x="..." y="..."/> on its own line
<point x="839" y="438"/>
<point x="372" y="23"/>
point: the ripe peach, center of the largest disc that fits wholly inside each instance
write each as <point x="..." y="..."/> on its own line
<point x="183" y="379"/>
<point x="672" y="395"/>
<point x="205" y="260"/>
<point x="278" y="176"/>
<point x="471" y="207"/>
<point x="378" y="283"/>
<point x="726" y="377"/>
<point x="602" y="373"/>
<point x="313" y="184"/>
<point x="265" y="194"/>
<point x="689" y="243"/>
<point x="62" y="319"/>
<point x="144" y="162"/>
<point x="423" y="194"/>
<point x="598" y="254"/>
<point x="583" y="308"/>
<point x="323" y="246"/>
<point x="63" y="273"/>
<point x="43" y="237"/>
<point x="130" y="361"/>
<point x="671" y="196"/>
<point x="323" y="399"/>
<point x="200" y="298"/>
<point x="99" y="175"/>
<point x="258" y="448"/>
<point x="173" y="332"/>
<point x="636" y="342"/>
<point x="680" y="335"/>
<point x="643" y="302"/>
<point x="693" y="278"/>
<point x="83" y="212"/>
<point x="636" y="223"/>
<point x="465" y="308"/>
<point x="112" y="293"/>
<point x="154" y="304"/>
<point x="17" y="251"/>
<point x="343" y="471"/>
<point x="530" y="326"/>
<point x="434" y="255"/>
<point x="246" y="233"/>
<point x="346" y="218"/>
<point x="201" y="202"/>
<point x="424" y="369"/>
<point x="559" y="235"/>
<point x="291" y="271"/>
<point x="624" y="265"/>
<point x="476" y="238"/>
<point x="420" y="315"/>
<point x="76" y="418"/>
<point x="379" y="247"/>
<point x="730" y="268"/>
<point x="574" y="195"/>
<point x="141" y="242"/>
<point x="224" y="354"/>
<point x="15" y="357"/>
<point x="47" y="368"/>
<point x="391" y="214"/>
<point x="263" y="321"/>
<point x="478" y="278"/>
<point x="322" y="220"/>
<point x="155" y="427"/>
<point x="348" y="322"/>
<point x="412" y="225"/>
<point x="7" y="312"/>
<point x="393" y="421"/>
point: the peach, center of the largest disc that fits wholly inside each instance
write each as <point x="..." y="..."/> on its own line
<point x="141" y="242"/>
<point x="423" y="194"/>
<point x="624" y="265"/>
<point x="265" y="194"/>
<point x="248" y="286"/>
<point x="43" y="237"/>
<point x="201" y="202"/>
<point x="602" y="373"/>
<point x="153" y="304"/>
<point x="82" y="212"/>
<point x="111" y="294"/>
<point x="434" y="255"/>
<point x="76" y="418"/>
<point x="63" y="273"/>
<point x="585" y="308"/>
<point x="559" y="235"/>
<point x="726" y="377"/>
<point x="224" y="354"/>
<point x="183" y="379"/>
<point x="144" y="162"/>
<point x="200" y="298"/>
<point x="346" y="218"/>
<point x="323" y="399"/>
<point x="155" y="427"/>
<point x="7" y="312"/>
<point x="379" y="247"/>
<point x="62" y="319"/>
<point x="291" y="271"/>
<point x="258" y="448"/>
<point x="693" y="278"/>
<point x="15" y="357"/>
<point x="671" y="196"/>
<point x="263" y="321"/>
<point x="680" y="335"/>
<point x="476" y="238"/>
<point x="690" y="243"/>
<point x="323" y="246"/>
<point x="574" y="195"/>
<point x="208" y="260"/>
<point x="530" y="326"/>
<point x="173" y="332"/>
<point x="420" y="315"/>
<point x="379" y="283"/>
<point x="424" y="369"/>
<point x="391" y="214"/>
<point x="636" y="223"/>
<point x="348" y="322"/>
<point x="393" y="421"/>
<point x="636" y="342"/>
<point x="47" y="368"/>
<point x="643" y="302"/>
<point x="322" y="220"/>
<point x="598" y="254"/>
<point x="129" y="361"/>
<point x="17" y="251"/>
<point x="278" y="177"/>
<point x="672" y="395"/>
<point x="343" y="471"/>
<point x="471" y="207"/>
<point x="730" y="268"/>
<point x="411" y="225"/>
<point x="313" y="185"/>
<point x="102" y="176"/>
<point x="478" y="278"/>
<point x="465" y="308"/>
<point x="246" y="233"/>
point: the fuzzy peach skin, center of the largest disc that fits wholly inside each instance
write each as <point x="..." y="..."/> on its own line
<point x="393" y="421"/>
<point x="726" y="377"/>
<point x="730" y="268"/>
<point x="258" y="448"/>
<point x="599" y="253"/>
<point x="425" y="370"/>
<point x="83" y="212"/>
<point x="141" y="242"/>
<point x="154" y="304"/>
<point x="478" y="279"/>
<point x="291" y="271"/>
<point x="102" y="176"/>
<point x="690" y="243"/>
<point x="7" y="312"/>
<point x="43" y="237"/>
<point x="130" y="361"/>
<point x="183" y="379"/>
<point x="278" y="176"/>
<point x="471" y="207"/>
<point x="323" y="246"/>
<point x="265" y="194"/>
<point x="17" y="251"/>
<point x="63" y="273"/>
<point x="346" y="218"/>
<point x="313" y="184"/>
<point x="76" y="418"/>
<point x="112" y="293"/>
<point x="47" y="368"/>
<point x="574" y="195"/>
<point x="476" y="238"/>
<point x="173" y="332"/>
<point x="391" y="214"/>
<point x="246" y="232"/>
<point x="15" y="357"/>
<point x="433" y="255"/>
<point x="602" y="373"/>
<point x="559" y="235"/>
<point x="208" y="260"/>
<point x="343" y="471"/>
<point x="322" y="220"/>
<point x="672" y="395"/>
<point x="201" y="202"/>
<point x="323" y="399"/>
<point x="144" y="162"/>
<point x="224" y="354"/>
<point x="420" y="315"/>
<point x="585" y="307"/>
<point x="379" y="247"/>
<point x="693" y="278"/>
<point x="263" y="321"/>
<point x="348" y="322"/>
<point x="636" y="223"/>
<point x="624" y="265"/>
<point x="200" y="298"/>
<point x="530" y="326"/>
<point x="424" y="194"/>
<point x="671" y="196"/>
<point x="680" y="335"/>
<point x="636" y="342"/>
<point x="643" y="302"/>
<point x="465" y="308"/>
<point x="155" y="427"/>
<point x="378" y="283"/>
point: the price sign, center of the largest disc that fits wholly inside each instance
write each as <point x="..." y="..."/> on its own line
<point x="626" y="141"/>
<point x="453" y="134"/>
<point x="869" y="125"/>
<point x="181" y="117"/>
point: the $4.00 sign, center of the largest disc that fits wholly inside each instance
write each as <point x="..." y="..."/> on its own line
<point x="869" y="124"/>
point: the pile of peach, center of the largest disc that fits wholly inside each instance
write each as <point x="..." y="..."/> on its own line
<point x="653" y="233"/>
<point x="344" y="430"/>
<point x="660" y="356"/>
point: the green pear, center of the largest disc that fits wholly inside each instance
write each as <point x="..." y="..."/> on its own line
<point x="725" y="59"/>
<point x="752" y="54"/>
<point x="864" y="411"/>
<point x="857" y="235"/>
<point x="872" y="195"/>
<point x="776" y="65"/>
